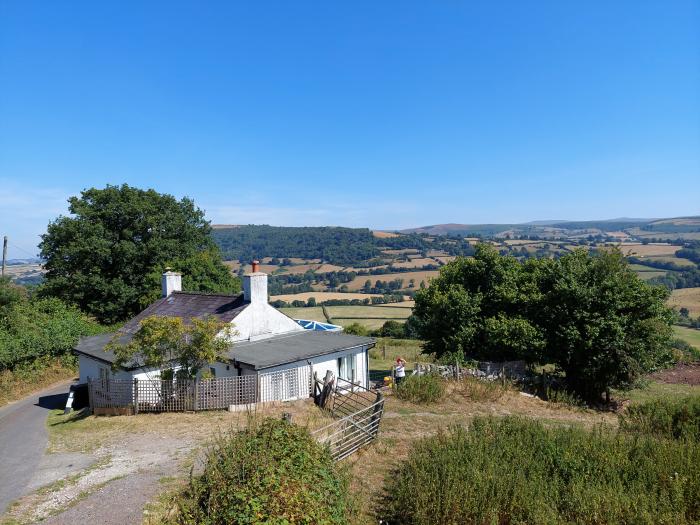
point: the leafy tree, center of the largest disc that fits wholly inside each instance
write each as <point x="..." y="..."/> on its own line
<point x="107" y="256"/>
<point x="478" y="308"/>
<point x="588" y="314"/>
<point x="162" y="342"/>
<point x="604" y="326"/>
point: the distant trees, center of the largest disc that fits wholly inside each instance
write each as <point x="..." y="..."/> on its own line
<point x="107" y="256"/>
<point x="588" y="314"/>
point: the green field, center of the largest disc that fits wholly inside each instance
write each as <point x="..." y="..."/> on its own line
<point x="689" y="335"/>
<point x="368" y="312"/>
<point x="314" y="313"/>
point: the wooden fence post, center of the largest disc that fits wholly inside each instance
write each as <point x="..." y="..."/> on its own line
<point x="90" y="395"/>
<point x="136" y="396"/>
<point x="377" y="414"/>
<point x="196" y="395"/>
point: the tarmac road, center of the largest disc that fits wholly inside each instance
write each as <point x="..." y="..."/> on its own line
<point x="23" y="439"/>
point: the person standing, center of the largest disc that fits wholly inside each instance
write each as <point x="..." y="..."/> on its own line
<point x="399" y="371"/>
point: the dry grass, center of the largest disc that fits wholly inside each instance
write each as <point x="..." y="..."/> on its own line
<point x="688" y="298"/>
<point x="384" y="235"/>
<point x="322" y="296"/>
<point x="404" y="304"/>
<point x="418" y="262"/>
<point x="425" y="276"/>
<point x="312" y="314"/>
<point x="367" y="312"/>
<point x="645" y="250"/>
<point x="15" y="385"/>
<point x="404" y="423"/>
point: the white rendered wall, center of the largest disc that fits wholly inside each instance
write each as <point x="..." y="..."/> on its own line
<point x="259" y="320"/>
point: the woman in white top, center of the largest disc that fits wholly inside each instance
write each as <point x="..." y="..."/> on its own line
<point x="399" y="371"/>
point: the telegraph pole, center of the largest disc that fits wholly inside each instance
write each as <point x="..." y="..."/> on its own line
<point x="4" y="254"/>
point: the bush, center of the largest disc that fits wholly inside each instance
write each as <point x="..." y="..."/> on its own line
<point x="421" y="389"/>
<point x="356" y="329"/>
<point x="518" y="471"/>
<point x="274" y="472"/>
<point x="479" y="390"/>
<point x="672" y="418"/>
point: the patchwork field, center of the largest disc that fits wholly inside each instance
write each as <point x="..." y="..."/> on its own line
<point x="368" y="312"/>
<point x="425" y="276"/>
<point x="322" y="296"/>
<point x="644" y="250"/>
<point x="688" y="298"/>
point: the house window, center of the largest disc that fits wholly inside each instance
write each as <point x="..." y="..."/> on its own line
<point x="104" y="378"/>
<point x="346" y="367"/>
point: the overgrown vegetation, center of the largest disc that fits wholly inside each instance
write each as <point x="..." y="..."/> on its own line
<point x="33" y="375"/>
<point x="427" y="388"/>
<point x="108" y="255"/>
<point x="32" y="328"/>
<point x="519" y="471"/>
<point x="273" y="472"/>
<point x="588" y="314"/>
<point x="677" y="418"/>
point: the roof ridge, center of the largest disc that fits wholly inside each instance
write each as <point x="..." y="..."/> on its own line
<point x="206" y="294"/>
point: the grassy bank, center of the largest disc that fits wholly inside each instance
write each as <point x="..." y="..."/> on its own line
<point x="514" y="470"/>
<point x="41" y="373"/>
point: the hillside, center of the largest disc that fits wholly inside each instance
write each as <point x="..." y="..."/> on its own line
<point x="678" y="227"/>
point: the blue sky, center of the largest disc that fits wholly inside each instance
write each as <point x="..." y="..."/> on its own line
<point x="378" y="114"/>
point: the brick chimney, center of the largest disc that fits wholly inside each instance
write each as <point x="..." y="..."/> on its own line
<point x="255" y="285"/>
<point x="170" y="282"/>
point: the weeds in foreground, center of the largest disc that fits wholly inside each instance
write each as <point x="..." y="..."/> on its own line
<point x="271" y="472"/>
<point x="671" y="418"/>
<point x="428" y="388"/>
<point x="518" y="471"/>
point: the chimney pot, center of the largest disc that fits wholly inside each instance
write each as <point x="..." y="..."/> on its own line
<point x="255" y="285"/>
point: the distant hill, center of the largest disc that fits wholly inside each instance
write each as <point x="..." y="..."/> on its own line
<point x="641" y="227"/>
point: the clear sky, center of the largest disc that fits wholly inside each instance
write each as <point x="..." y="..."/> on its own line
<point x="378" y="114"/>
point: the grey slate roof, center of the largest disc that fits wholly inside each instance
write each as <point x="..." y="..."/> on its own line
<point x="295" y="346"/>
<point x="190" y="304"/>
<point x="265" y="353"/>
<point x="94" y="346"/>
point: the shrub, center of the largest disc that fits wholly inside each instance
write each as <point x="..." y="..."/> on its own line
<point x="479" y="390"/>
<point x="356" y="329"/>
<point x="518" y="471"/>
<point x="673" y="418"/>
<point x="421" y="389"/>
<point x="274" y="472"/>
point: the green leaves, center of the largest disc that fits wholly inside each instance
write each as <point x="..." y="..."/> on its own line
<point x="163" y="342"/>
<point x="107" y="257"/>
<point x="589" y="314"/>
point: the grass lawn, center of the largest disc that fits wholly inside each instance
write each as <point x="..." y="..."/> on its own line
<point x="657" y="390"/>
<point x="368" y="312"/>
<point x="689" y="335"/>
<point x="314" y="313"/>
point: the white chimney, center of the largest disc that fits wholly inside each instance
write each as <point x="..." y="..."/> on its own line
<point x="170" y="282"/>
<point x="255" y="285"/>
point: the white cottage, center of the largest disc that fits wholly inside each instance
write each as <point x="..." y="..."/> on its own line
<point x="267" y="340"/>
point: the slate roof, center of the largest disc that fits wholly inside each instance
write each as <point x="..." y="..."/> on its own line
<point x="188" y="305"/>
<point x="94" y="346"/>
<point x="292" y="347"/>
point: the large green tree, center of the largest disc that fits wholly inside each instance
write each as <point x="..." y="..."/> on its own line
<point x="480" y="308"/>
<point x="107" y="256"/>
<point x="587" y="313"/>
